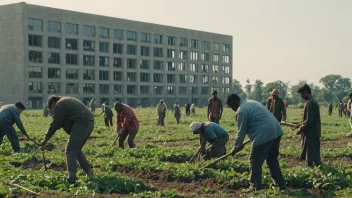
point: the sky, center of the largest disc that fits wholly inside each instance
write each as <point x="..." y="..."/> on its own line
<point x="287" y="40"/>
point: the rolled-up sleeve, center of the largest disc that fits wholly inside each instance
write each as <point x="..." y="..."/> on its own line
<point x="242" y="121"/>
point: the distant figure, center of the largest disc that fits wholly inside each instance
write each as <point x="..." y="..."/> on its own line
<point x="349" y="105"/>
<point x="215" y="108"/>
<point x="193" y="109"/>
<point x="92" y="104"/>
<point x="286" y="103"/>
<point x="276" y="106"/>
<point x="345" y="109"/>
<point x="330" y="109"/>
<point x="188" y="108"/>
<point x="107" y="114"/>
<point x="340" y="109"/>
<point x="161" y="110"/>
<point x="177" y="113"/>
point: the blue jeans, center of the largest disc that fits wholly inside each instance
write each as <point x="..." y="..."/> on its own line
<point x="9" y="131"/>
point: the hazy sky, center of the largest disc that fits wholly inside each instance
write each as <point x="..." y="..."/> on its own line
<point x="286" y="40"/>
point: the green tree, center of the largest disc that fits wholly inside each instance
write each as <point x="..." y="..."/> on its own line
<point x="258" y="90"/>
<point x="236" y="87"/>
<point x="248" y="87"/>
<point x="279" y="85"/>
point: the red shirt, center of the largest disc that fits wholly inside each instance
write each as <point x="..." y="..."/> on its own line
<point x="128" y="121"/>
<point x="214" y="107"/>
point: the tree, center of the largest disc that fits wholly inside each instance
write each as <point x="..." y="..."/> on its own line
<point x="257" y="92"/>
<point x="236" y="87"/>
<point x="279" y="85"/>
<point x="294" y="96"/>
<point x="329" y="81"/>
<point x="248" y="87"/>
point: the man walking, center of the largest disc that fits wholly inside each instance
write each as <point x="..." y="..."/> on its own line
<point x="259" y="124"/>
<point x="92" y="104"/>
<point x="212" y="133"/>
<point x="340" y="109"/>
<point x="193" y="109"/>
<point x="177" y="112"/>
<point x="107" y="114"/>
<point x="276" y="106"/>
<point x="215" y="108"/>
<point x="9" y="115"/>
<point x="311" y="129"/>
<point x="161" y="110"/>
<point x="330" y="109"/>
<point x="188" y="108"/>
<point x="76" y="120"/>
<point x="126" y="124"/>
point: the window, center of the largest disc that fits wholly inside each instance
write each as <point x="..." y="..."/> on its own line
<point x="118" y="89"/>
<point x="72" y="59"/>
<point x="88" y="31"/>
<point x="34" y="40"/>
<point x="88" y="74"/>
<point x="132" y="49"/>
<point x="171" y="40"/>
<point x="131" y="89"/>
<point x="194" y="55"/>
<point x="72" y="88"/>
<point x="104" y="32"/>
<point x="117" y="76"/>
<point x="118" y="34"/>
<point x="35" y="72"/>
<point x="71" y="44"/>
<point x="103" y="89"/>
<point x="117" y="62"/>
<point x="183" y="42"/>
<point x="144" y="51"/>
<point x="226" y="59"/>
<point x="205" y="79"/>
<point x="206" y="45"/>
<point x="193" y="67"/>
<point x="225" y="69"/>
<point x="54" y="87"/>
<point x="88" y="46"/>
<point x="104" y="47"/>
<point x="170" y="90"/>
<point x="103" y="75"/>
<point x="132" y="36"/>
<point x="226" y="80"/>
<point x="158" y="39"/>
<point x="158" y="90"/>
<point x="226" y="47"/>
<point x="215" y="69"/>
<point x="35" y="56"/>
<point x="34" y="87"/>
<point x="183" y="90"/>
<point x="89" y="88"/>
<point x="205" y="56"/>
<point x="88" y="60"/>
<point x="194" y="43"/>
<point x="71" y="73"/>
<point x="205" y="91"/>
<point x="215" y="80"/>
<point x="54" y="26"/>
<point x="53" y="58"/>
<point x="183" y="78"/>
<point x="226" y="90"/>
<point x="71" y="29"/>
<point x="145" y="64"/>
<point x="144" y="77"/>
<point x="35" y="25"/>
<point x="144" y="89"/>
<point x="103" y="61"/>
<point x="193" y="79"/>
<point x="54" y="73"/>
<point x="171" y="78"/>
<point x="171" y="66"/>
<point x="145" y="37"/>
<point x="205" y="68"/>
<point x="132" y="63"/>
<point x="194" y="90"/>
<point x="131" y="77"/>
<point x="216" y="46"/>
<point x="117" y="48"/>
<point x="54" y="42"/>
<point x="181" y="66"/>
<point x="158" y="78"/>
<point x="158" y="52"/>
<point x="158" y="65"/>
<point x="171" y="53"/>
<point x="182" y="55"/>
<point x="215" y="57"/>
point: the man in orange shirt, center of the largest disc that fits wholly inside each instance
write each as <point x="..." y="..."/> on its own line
<point x="126" y="124"/>
<point x="215" y="108"/>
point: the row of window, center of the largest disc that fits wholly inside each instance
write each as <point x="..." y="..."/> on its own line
<point x="90" y="31"/>
<point x="72" y="88"/>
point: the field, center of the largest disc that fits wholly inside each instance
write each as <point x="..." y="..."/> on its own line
<point x="159" y="166"/>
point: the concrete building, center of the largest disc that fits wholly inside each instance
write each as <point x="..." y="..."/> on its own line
<point x="47" y="51"/>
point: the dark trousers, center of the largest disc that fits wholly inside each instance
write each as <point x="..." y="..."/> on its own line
<point x="268" y="151"/>
<point x="108" y="120"/>
<point x="340" y="113"/>
<point x="177" y="116"/>
<point x="310" y="150"/>
<point x="131" y="136"/>
<point x="214" y="119"/>
<point x="9" y="131"/>
<point x="161" y="118"/>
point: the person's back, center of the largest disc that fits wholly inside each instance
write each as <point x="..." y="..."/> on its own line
<point x="72" y="110"/>
<point x="177" y="108"/>
<point x="107" y="111"/>
<point x="6" y="112"/>
<point x="211" y="129"/>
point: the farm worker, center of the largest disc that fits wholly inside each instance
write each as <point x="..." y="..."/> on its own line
<point x="330" y="109"/>
<point x="345" y="109"/>
<point x="276" y="106"/>
<point x="215" y="108"/>
<point x="193" y="109"/>
<point x="262" y="128"/>
<point x="76" y="120"/>
<point x="161" y="110"/>
<point x="9" y="115"/>
<point x="349" y="105"/>
<point x="310" y="129"/>
<point x="212" y="133"/>
<point x="286" y="103"/>
<point x="107" y="114"/>
<point x="188" y="108"/>
<point x="127" y="124"/>
<point x="92" y="104"/>
<point x="340" y="109"/>
<point x="177" y="112"/>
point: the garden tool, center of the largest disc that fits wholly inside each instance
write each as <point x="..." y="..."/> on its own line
<point x="16" y="185"/>
<point x="117" y="137"/>
<point x="292" y="125"/>
<point x="195" y="155"/>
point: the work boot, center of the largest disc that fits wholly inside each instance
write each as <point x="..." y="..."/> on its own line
<point x="71" y="177"/>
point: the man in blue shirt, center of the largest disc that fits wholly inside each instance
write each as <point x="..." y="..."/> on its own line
<point x="262" y="128"/>
<point x="212" y="133"/>
<point x="10" y="114"/>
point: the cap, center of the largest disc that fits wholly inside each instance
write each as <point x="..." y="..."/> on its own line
<point x="275" y="92"/>
<point x="20" y="105"/>
<point x="194" y="126"/>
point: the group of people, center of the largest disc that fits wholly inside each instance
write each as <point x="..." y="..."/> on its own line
<point x="343" y="108"/>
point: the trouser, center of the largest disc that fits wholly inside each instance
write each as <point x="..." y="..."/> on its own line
<point x="214" y="119"/>
<point x="9" y="131"/>
<point x="268" y="151"/>
<point x="131" y="136"/>
<point x="310" y="150"/>
<point x="161" y="118"/>
<point x="193" y="112"/>
<point x="217" y="149"/>
<point x="340" y="113"/>
<point x="187" y="111"/>
<point x="330" y="112"/>
<point x="177" y="116"/>
<point x="108" y="120"/>
<point x="92" y="108"/>
<point x="78" y="136"/>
